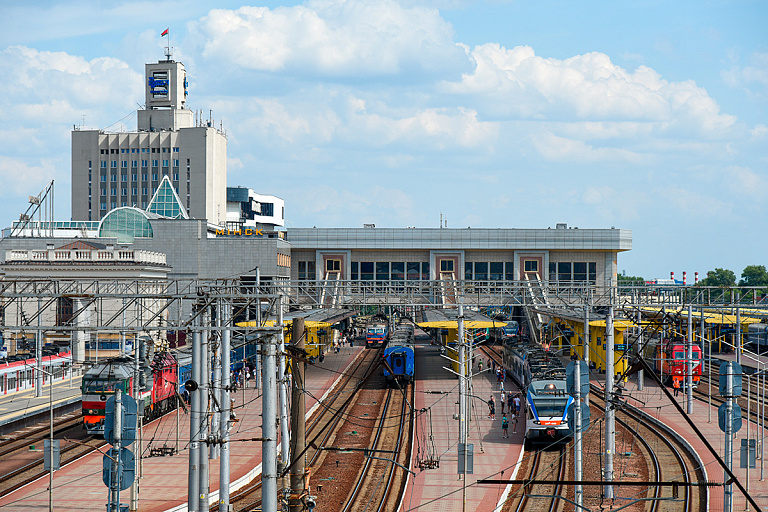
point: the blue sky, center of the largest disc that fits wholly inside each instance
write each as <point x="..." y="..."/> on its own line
<point x="649" y="116"/>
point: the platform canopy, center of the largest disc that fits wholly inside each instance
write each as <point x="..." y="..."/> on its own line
<point x="324" y="317"/>
<point x="618" y="324"/>
<point x="711" y="316"/>
<point x="448" y="319"/>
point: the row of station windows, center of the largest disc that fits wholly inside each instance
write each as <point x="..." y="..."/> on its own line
<point x="473" y="270"/>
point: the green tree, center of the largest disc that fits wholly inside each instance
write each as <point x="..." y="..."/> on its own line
<point x="719" y="277"/>
<point x="630" y="280"/>
<point x="754" y="275"/>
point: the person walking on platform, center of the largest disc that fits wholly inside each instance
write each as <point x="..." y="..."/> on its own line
<point x="504" y="427"/>
<point x="676" y="386"/>
<point x="511" y="402"/>
<point x="502" y="402"/>
<point x="514" y="423"/>
<point x="491" y="408"/>
<point x="517" y="404"/>
<point x="480" y="366"/>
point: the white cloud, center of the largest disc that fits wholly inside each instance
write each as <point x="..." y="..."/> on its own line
<point x="562" y="149"/>
<point x="21" y="179"/>
<point x="754" y="75"/>
<point x="331" y="37"/>
<point x="745" y="182"/>
<point x="56" y="87"/>
<point x="334" y="206"/>
<point x="516" y="82"/>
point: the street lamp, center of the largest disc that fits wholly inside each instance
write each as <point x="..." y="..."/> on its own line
<point x="50" y="447"/>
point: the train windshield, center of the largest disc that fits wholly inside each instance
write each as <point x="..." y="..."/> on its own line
<point x="99" y="386"/>
<point x="510" y="329"/>
<point x="679" y="355"/>
<point x="376" y="330"/>
<point x="550" y="407"/>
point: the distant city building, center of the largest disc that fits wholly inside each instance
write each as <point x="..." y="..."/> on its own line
<point x="113" y="170"/>
<point x="246" y="208"/>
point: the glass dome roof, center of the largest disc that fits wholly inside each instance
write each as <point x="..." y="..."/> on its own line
<point x="125" y="224"/>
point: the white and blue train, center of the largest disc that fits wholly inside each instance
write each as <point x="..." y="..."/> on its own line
<point x="399" y="354"/>
<point x="542" y="376"/>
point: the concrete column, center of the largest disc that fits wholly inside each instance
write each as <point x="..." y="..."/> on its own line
<point x="226" y="405"/>
<point x="610" y="413"/>
<point x="269" y="429"/>
<point x="298" y="426"/>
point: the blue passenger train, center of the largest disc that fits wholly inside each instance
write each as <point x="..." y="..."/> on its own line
<point x="399" y="354"/>
<point x="542" y="376"/>
<point x="239" y="355"/>
<point x="377" y="331"/>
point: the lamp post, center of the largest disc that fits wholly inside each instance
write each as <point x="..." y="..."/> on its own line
<point x="50" y="407"/>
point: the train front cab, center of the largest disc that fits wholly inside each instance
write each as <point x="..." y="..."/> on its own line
<point x="95" y="393"/>
<point x="669" y="362"/>
<point x="400" y="360"/>
<point x="547" y="412"/>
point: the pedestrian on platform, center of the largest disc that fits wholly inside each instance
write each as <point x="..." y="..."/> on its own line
<point x="514" y="423"/>
<point x="491" y="408"/>
<point x="480" y="366"/>
<point x="504" y="427"/>
<point x="511" y="402"/>
<point x="676" y="386"/>
<point x="501" y="386"/>
<point x="247" y="376"/>
<point x="517" y="404"/>
<point x="502" y="402"/>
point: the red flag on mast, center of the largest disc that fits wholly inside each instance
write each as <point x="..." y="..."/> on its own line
<point x="165" y="32"/>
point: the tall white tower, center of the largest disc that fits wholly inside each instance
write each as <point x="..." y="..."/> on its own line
<point x="125" y="168"/>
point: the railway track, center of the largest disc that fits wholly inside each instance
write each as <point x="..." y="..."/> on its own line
<point x="322" y="429"/>
<point x="35" y="435"/>
<point x="645" y="451"/>
<point x="21" y="466"/>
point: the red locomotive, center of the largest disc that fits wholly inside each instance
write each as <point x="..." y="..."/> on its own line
<point x="669" y="362"/>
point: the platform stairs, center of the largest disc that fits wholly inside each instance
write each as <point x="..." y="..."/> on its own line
<point x="448" y="289"/>
<point x="330" y="289"/>
<point x="537" y="295"/>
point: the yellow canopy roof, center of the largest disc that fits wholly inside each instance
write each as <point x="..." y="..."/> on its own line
<point x="468" y="324"/>
<point x="722" y="318"/>
<point x="618" y="325"/>
<point x="271" y="323"/>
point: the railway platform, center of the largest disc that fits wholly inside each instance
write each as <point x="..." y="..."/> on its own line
<point x="441" y="488"/>
<point x="656" y="404"/>
<point x="163" y="486"/>
<point x="22" y="408"/>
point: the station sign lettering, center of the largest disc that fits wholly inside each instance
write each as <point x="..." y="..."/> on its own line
<point x="239" y="232"/>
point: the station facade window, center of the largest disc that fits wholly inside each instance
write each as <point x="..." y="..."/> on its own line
<point x="307" y="271"/>
<point x="564" y="271"/>
<point x="489" y="271"/>
<point x="389" y="271"/>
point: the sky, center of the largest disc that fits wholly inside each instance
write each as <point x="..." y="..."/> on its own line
<point x="650" y="116"/>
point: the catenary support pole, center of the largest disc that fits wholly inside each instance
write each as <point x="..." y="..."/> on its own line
<point x="689" y="363"/>
<point x="610" y="412"/>
<point x="587" y="335"/>
<point x="226" y="405"/>
<point x="283" y="386"/>
<point x="728" y="456"/>
<point x="39" y="351"/>
<point x="269" y="430"/>
<point x="298" y="426"/>
<point x="738" y="335"/>
<point x="577" y="436"/>
<point x="139" y="411"/>
<point x="205" y="408"/>
<point x="215" y="388"/>
<point x="641" y="372"/>
<point x="193" y="488"/>
<point x="114" y="488"/>
<point x="462" y="402"/>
